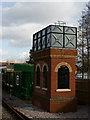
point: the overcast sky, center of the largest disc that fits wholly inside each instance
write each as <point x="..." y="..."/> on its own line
<point x="20" y="20"/>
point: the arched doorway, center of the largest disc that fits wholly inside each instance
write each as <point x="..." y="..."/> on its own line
<point x="63" y="77"/>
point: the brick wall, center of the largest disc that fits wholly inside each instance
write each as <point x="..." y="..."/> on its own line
<point x="63" y="105"/>
<point x="57" y="101"/>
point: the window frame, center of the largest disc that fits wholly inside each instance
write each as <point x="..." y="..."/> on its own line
<point x="61" y="78"/>
<point x="45" y="76"/>
<point x="38" y="77"/>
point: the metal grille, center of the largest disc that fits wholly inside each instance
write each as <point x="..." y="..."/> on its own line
<point x="57" y="40"/>
<point x="70" y="41"/>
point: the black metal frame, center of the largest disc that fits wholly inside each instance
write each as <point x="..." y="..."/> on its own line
<point x="47" y="33"/>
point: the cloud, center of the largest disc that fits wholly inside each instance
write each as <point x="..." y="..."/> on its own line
<point x="22" y="20"/>
<point x="0" y="32"/>
<point x="19" y="57"/>
<point x="41" y="13"/>
<point x="45" y="1"/>
<point x="20" y="36"/>
<point x="3" y="54"/>
<point x="0" y="21"/>
<point x="22" y="57"/>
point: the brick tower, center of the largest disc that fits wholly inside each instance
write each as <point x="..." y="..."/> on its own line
<point x="54" y="53"/>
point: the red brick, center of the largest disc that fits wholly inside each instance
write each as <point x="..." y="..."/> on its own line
<point x="44" y="99"/>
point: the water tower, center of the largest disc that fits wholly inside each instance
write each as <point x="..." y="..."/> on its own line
<point x="54" y="53"/>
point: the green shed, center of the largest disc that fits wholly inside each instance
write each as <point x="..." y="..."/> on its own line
<point x="23" y="80"/>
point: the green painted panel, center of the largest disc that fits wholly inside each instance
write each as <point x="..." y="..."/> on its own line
<point x="22" y="67"/>
<point x="25" y="87"/>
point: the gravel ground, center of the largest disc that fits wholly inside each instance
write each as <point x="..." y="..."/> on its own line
<point x="7" y="115"/>
<point x="27" y="108"/>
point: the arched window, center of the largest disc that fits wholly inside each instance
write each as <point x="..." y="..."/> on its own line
<point x="38" y="76"/>
<point x="45" y="77"/>
<point x="63" y="77"/>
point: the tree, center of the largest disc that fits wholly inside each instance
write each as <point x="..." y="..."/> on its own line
<point x="30" y="61"/>
<point x="84" y="41"/>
